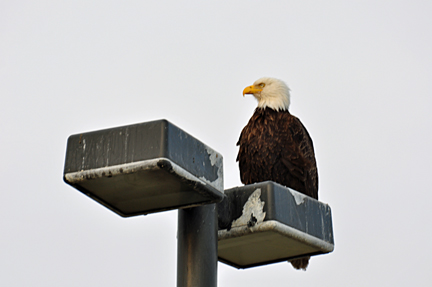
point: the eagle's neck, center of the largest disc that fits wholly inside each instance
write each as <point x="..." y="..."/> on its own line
<point x="260" y="112"/>
<point x="277" y="103"/>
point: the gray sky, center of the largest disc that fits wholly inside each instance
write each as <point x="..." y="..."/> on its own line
<point x="360" y="74"/>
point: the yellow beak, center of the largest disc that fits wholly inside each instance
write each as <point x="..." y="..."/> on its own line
<point x="252" y="90"/>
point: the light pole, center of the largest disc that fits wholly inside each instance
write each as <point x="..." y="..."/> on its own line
<point x="155" y="166"/>
<point x="152" y="167"/>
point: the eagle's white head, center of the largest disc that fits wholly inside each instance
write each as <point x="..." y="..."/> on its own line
<point x="270" y="92"/>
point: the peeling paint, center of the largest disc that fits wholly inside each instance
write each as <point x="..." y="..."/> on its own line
<point x="213" y="156"/>
<point x="150" y="164"/>
<point x="218" y="182"/>
<point x="252" y="211"/>
<point x="83" y="159"/>
<point x="298" y="197"/>
<point x="215" y="159"/>
<point x="275" y="226"/>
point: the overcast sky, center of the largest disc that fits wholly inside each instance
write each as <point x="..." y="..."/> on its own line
<point x="360" y="74"/>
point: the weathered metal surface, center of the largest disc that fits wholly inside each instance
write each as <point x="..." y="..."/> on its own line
<point x="265" y="223"/>
<point x="144" y="168"/>
<point x="197" y="247"/>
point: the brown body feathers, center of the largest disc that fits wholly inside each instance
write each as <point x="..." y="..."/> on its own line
<point x="275" y="146"/>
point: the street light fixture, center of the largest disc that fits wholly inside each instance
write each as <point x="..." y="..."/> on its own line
<point x="156" y="166"/>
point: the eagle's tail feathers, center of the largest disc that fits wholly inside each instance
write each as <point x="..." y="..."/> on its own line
<point x="300" y="263"/>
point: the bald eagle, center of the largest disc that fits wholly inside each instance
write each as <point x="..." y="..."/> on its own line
<point x="275" y="145"/>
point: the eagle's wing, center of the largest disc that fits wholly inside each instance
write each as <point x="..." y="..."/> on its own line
<point x="299" y="158"/>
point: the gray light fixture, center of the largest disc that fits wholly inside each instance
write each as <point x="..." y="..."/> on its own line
<point x="266" y="223"/>
<point x="144" y="168"/>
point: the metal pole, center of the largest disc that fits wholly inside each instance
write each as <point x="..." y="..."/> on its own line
<point x="197" y="247"/>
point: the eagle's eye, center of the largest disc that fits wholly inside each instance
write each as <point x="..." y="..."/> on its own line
<point x="262" y="85"/>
